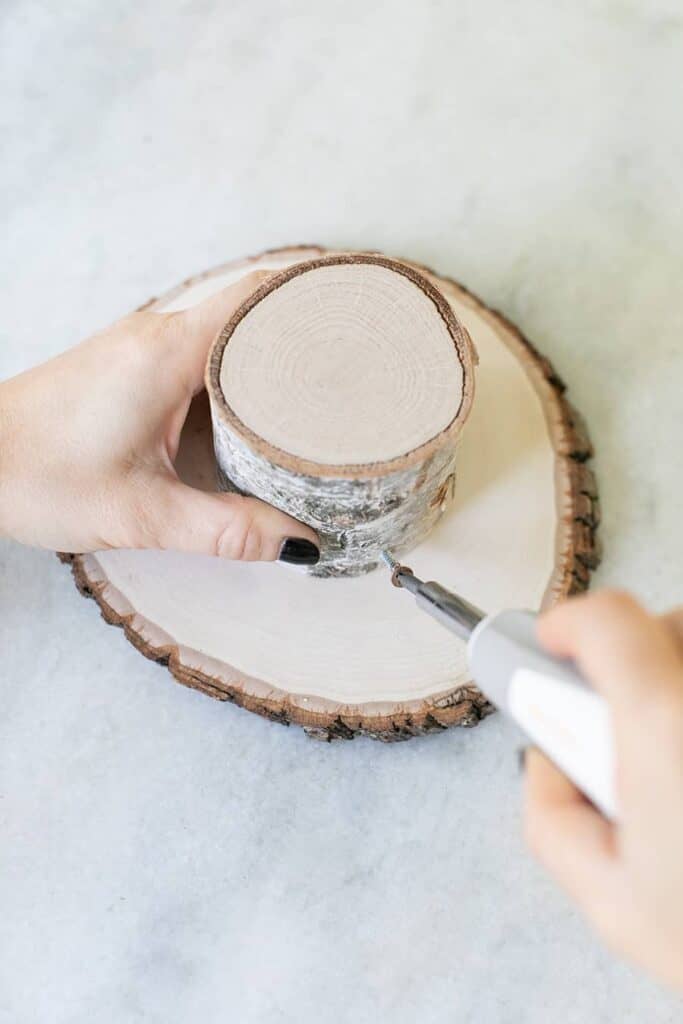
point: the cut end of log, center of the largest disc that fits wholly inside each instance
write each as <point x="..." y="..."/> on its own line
<point x="339" y="390"/>
<point x="343" y="364"/>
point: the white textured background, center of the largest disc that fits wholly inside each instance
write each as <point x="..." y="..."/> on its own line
<point x="167" y="859"/>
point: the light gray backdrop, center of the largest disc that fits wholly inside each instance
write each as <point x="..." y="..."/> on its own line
<point x="168" y="859"/>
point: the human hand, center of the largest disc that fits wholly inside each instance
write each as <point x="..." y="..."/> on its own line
<point x="88" y="441"/>
<point x="627" y="879"/>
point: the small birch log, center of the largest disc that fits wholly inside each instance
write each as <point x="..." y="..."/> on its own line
<point x="338" y="393"/>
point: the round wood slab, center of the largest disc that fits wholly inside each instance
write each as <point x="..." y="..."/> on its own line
<point x="348" y="656"/>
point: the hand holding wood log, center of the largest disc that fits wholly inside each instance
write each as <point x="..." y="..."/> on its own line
<point x="88" y="443"/>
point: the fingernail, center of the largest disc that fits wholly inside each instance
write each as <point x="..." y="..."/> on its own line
<point x="298" y="551"/>
<point x="521" y="759"/>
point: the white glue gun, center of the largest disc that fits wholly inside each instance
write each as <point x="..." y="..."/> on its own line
<point x="547" y="697"/>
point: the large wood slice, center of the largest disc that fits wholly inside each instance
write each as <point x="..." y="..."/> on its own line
<point x="338" y="393"/>
<point x="353" y="655"/>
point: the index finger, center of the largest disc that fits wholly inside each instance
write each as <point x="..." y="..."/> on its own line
<point x="626" y="653"/>
<point x="198" y="325"/>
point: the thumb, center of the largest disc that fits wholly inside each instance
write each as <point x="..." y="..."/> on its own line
<point x="230" y="526"/>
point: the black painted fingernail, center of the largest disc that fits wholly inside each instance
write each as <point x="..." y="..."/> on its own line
<point x="521" y="760"/>
<point x="298" y="551"/>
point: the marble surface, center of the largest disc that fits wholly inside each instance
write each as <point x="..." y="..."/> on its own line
<point x="164" y="858"/>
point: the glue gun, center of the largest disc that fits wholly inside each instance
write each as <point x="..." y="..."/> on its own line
<point x="547" y="697"/>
